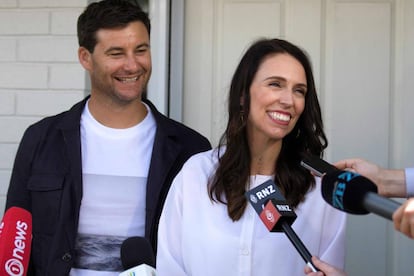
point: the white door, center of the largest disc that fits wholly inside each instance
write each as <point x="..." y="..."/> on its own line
<point x="363" y="59"/>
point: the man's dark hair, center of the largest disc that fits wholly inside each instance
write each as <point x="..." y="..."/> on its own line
<point x="108" y="14"/>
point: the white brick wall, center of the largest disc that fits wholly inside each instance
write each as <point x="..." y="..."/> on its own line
<point x="38" y="49"/>
<point x="8" y="49"/>
<point x="8" y="4"/>
<point x="40" y="73"/>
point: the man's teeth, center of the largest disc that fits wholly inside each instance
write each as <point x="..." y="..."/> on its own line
<point x="128" y="79"/>
<point x="279" y="116"/>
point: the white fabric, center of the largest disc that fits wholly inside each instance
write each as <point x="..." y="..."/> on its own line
<point x="197" y="237"/>
<point x="115" y="165"/>
<point x="409" y="180"/>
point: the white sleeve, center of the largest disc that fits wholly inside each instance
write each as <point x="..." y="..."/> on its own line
<point x="333" y="237"/>
<point x="169" y="248"/>
<point x="409" y="181"/>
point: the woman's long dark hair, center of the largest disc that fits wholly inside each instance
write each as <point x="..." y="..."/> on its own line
<point x="230" y="181"/>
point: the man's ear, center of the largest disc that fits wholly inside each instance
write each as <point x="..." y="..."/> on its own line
<point x="85" y="58"/>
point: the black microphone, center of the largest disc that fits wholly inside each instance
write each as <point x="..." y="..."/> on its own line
<point x="356" y="194"/>
<point x="317" y="166"/>
<point x="137" y="257"/>
<point x="277" y="215"/>
<point x="349" y="192"/>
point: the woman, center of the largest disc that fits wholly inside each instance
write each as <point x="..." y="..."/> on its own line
<point x="207" y="226"/>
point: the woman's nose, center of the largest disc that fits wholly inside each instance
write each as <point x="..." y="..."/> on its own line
<point x="286" y="97"/>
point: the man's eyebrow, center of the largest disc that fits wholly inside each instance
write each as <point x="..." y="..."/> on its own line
<point x="143" y="45"/>
<point x="112" y="49"/>
<point x="120" y="49"/>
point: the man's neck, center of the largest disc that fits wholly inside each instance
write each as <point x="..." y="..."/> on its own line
<point x="117" y="116"/>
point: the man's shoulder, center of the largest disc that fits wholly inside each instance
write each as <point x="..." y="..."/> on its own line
<point x="185" y="133"/>
<point x="67" y="117"/>
<point x="175" y="128"/>
<point x="181" y="127"/>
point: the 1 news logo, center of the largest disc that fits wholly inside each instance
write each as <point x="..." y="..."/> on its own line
<point x="14" y="266"/>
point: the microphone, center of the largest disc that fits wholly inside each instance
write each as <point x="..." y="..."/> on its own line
<point x="317" y="166"/>
<point x="349" y="192"/>
<point x="137" y="257"/>
<point x="356" y="194"/>
<point x="276" y="214"/>
<point x="15" y="241"/>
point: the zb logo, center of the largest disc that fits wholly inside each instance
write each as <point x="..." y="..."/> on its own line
<point x="340" y="187"/>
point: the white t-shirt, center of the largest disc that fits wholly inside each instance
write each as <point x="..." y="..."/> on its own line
<point x="196" y="236"/>
<point x="115" y="165"/>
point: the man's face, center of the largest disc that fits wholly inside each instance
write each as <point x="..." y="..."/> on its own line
<point x="120" y="65"/>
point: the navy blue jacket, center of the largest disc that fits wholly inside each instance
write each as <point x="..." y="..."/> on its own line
<point x="47" y="181"/>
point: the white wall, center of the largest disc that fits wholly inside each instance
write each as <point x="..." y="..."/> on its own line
<point x="39" y="71"/>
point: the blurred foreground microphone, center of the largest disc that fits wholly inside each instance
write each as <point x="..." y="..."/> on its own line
<point x="277" y="215"/>
<point x="356" y="194"/>
<point x="15" y="242"/>
<point x="137" y="257"/>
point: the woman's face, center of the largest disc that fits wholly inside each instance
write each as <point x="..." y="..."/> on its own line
<point x="277" y="97"/>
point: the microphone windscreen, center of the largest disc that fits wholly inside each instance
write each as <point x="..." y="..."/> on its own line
<point x="15" y="241"/>
<point x="136" y="251"/>
<point x="346" y="190"/>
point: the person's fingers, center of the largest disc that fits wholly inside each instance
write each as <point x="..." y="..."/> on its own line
<point x="403" y="218"/>
<point x="347" y="164"/>
<point x="397" y="217"/>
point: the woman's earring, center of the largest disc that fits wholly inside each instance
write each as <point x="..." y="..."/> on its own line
<point x="298" y="133"/>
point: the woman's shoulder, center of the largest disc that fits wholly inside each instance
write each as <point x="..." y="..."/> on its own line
<point x="202" y="159"/>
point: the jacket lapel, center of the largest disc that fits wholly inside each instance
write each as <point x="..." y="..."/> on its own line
<point x="164" y="155"/>
<point x="70" y="127"/>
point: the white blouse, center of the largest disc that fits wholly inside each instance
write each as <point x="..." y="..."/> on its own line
<point x="197" y="237"/>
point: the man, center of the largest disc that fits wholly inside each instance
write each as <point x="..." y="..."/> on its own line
<point x="99" y="173"/>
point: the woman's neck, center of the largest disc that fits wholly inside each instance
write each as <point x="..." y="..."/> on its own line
<point x="263" y="158"/>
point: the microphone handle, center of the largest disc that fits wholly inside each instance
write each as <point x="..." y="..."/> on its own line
<point x="300" y="247"/>
<point x="379" y="205"/>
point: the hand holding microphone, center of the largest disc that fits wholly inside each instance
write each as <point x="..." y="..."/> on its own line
<point x="404" y="218"/>
<point x="326" y="269"/>
<point x="277" y="215"/>
<point x="349" y="191"/>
